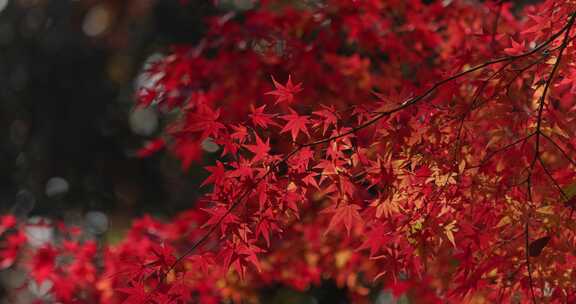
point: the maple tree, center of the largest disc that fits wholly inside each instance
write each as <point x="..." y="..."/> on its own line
<point x="426" y="148"/>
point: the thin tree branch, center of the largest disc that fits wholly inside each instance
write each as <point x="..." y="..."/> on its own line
<point x="568" y="158"/>
<point x="538" y="132"/>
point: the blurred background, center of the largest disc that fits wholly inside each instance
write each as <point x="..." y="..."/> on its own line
<point x="68" y="129"/>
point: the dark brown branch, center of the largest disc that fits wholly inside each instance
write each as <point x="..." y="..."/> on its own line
<point x="568" y="158"/>
<point x="552" y="179"/>
<point x="538" y="132"/>
<point x="495" y="24"/>
<point x="439" y="84"/>
<point x="528" y="265"/>
<point x="506" y="147"/>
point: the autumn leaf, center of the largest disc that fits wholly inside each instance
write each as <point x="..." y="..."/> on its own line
<point x="516" y="48"/>
<point x="285" y="93"/>
<point x="205" y="120"/>
<point x="295" y="124"/>
<point x="135" y="294"/>
<point x="347" y="215"/>
<point x="217" y="175"/>
<point x="261" y="149"/>
<point x="376" y="239"/>
<point x="221" y="216"/>
<point x="449" y="232"/>
<point x="328" y="118"/>
<point x="261" y="119"/>
<point x="188" y="151"/>
<point x="151" y="148"/>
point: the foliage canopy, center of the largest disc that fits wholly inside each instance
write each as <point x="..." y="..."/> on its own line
<point x="426" y="148"/>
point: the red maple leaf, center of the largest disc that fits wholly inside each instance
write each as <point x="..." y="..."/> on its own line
<point x="261" y="119"/>
<point x="295" y="124"/>
<point x="347" y="214"/>
<point x="206" y="121"/>
<point x="218" y="173"/>
<point x="188" y="151"/>
<point x="267" y="225"/>
<point x="376" y="239"/>
<point x="285" y="93"/>
<point x="239" y="256"/>
<point x="516" y="48"/>
<point x="151" y="148"/>
<point x="328" y="116"/>
<point x="240" y="133"/>
<point x="136" y="294"/>
<point x="222" y="216"/>
<point x="260" y="149"/>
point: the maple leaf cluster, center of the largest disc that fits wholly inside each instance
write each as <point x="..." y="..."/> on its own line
<point x="423" y="148"/>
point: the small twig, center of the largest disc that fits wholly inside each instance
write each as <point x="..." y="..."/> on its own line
<point x="495" y="24"/>
<point x="552" y="179"/>
<point x="538" y="132"/>
<point x="528" y="265"/>
<point x="506" y="147"/>
<point x="568" y="158"/>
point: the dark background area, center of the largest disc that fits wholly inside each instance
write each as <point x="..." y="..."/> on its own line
<point x="68" y="71"/>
